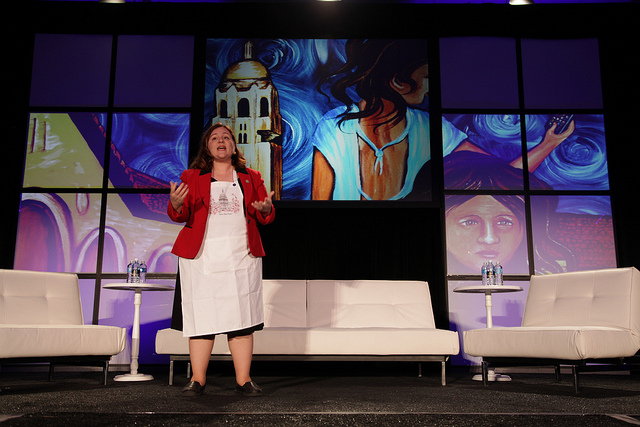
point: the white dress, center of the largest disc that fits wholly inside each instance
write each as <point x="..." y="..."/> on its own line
<point x="222" y="285"/>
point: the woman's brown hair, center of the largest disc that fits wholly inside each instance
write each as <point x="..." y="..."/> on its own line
<point x="204" y="159"/>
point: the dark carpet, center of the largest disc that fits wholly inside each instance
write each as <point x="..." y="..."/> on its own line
<point x="318" y="394"/>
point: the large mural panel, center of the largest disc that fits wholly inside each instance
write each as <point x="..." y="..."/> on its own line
<point x="326" y="119"/>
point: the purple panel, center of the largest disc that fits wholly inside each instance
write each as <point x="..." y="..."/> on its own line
<point x="87" y="296"/>
<point x="149" y="149"/>
<point x="561" y="73"/>
<point x="482" y="228"/>
<point x="64" y="150"/>
<point x="572" y="233"/>
<point x="488" y="158"/>
<point x="58" y="232"/>
<point x="154" y="71"/>
<point x="137" y="226"/>
<point x="71" y="70"/>
<point x="579" y="159"/>
<point x="478" y="72"/>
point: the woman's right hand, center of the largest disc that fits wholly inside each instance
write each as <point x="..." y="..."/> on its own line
<point x="177" y="194"/>
<point x="555" y="139"/>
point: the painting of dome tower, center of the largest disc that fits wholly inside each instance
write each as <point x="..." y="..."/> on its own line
<point x="247" y="101"/>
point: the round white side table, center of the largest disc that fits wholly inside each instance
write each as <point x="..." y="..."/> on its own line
<point x="134" y="375"/>
<point x="488" y="290"/>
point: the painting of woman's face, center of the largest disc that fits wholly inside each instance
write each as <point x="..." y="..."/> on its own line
<point x="482" y="229"/>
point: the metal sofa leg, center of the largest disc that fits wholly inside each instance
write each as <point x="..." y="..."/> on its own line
<point x="557" y="370"/>
<point x="170" y="372"/>
<point x="576" y="379"/>
<point x="485" y="373"/>
<point x="105" y="372"/>
<point x="443" y="373"/>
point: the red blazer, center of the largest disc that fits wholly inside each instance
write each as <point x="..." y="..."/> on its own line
<point x="195" y="211"/>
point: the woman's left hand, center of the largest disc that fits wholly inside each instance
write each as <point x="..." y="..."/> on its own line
<point x="265" y="206"/>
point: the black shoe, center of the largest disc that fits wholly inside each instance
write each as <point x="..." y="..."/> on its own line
<point x="193" y="389"/>
<point x="249" y="389"/>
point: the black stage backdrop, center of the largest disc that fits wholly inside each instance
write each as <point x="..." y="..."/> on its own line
<point x="349" y="244"/>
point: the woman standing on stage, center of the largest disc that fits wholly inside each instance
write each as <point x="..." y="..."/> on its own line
<point x="220" y="250"/>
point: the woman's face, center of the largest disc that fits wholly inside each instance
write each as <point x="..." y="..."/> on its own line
<point x="221" y="145"/>
<point x="483" y="229"/>
<point x="415" y="97"/>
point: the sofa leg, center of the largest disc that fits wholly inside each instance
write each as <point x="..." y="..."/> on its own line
<point x="443" y="373"/>
<point x="485" y="373"/>
<point x="50" y="371"/>
<point x="576" y="379"/>
<point x="171" y="372"/>
<point x="557" y="370"/>
<point x="105" y="372"/>
<point x="419" y="369"/>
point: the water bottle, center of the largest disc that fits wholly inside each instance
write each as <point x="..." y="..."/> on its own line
<point x="143" y="272"/>
<point x="498" y="273"/>
<point x="484" y="274"/>
<point x="130" y="272"/>
<point x="136" y="271"/>
<point x="491" y="278"/>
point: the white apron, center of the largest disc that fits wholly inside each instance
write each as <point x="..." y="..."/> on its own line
<point x="222" y="285"/>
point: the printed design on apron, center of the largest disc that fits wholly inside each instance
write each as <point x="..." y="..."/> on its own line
<point x="224" y="205"/>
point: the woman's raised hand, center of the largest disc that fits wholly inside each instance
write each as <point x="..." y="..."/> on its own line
<point x="551" y="140"/>
<point x="177" y="194"/>
<point x="556" y="138"/>
<point x="265" y="206"/>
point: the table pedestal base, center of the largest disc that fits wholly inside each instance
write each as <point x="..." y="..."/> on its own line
<point x="133" y="374"/>
<point x="487" y="290"/>
<point x="492" y="376"/>
<point x="133" y="377"/>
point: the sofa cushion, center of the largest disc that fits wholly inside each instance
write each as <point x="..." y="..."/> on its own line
<point x="285" y="303"/>
<point x="329" y="341"/>
<point x="369" y="303"/>
<point x="552" y="342"/>
<point x="60" y="340"/>
<point x="171" y="341"/>
<point x="381" y="341"/>
<point x="267" y="341"/>
<point x="33" y="297"/>
<point x="609" y="297"/>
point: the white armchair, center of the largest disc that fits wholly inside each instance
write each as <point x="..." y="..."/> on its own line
<point x="569" y="319"/>
<point x="41" y="321"/>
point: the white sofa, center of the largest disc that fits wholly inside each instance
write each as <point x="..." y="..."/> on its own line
<point x="569" y="319"/>
<point x="338" y="320"/>
<point x="41" y="321"/>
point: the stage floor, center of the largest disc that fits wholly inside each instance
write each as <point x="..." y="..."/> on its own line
<point x="319" y="394"/>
